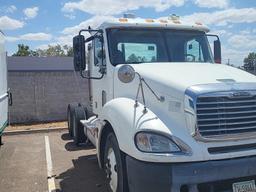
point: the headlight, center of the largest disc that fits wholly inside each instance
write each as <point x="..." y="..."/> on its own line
<point x="155" y="143"/>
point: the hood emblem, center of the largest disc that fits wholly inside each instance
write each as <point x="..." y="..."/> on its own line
<point x="241" y="94"/>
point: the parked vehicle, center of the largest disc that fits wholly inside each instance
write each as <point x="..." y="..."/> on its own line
<point x="4" y="93"/>
<point x="164" y="114"/>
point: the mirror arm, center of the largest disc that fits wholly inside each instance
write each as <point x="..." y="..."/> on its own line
<point x="90" y="30"/>
<point x="212" y="35"/>
<point x="89" y="39"/>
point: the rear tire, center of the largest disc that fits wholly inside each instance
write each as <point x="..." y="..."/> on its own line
<point x="114" y="165"/>
<point x="88" y="112"/>
<point x="78" y="128"/>
<point x="70" y="112"/>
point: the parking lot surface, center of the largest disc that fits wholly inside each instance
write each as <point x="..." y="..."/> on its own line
<point x="24" y="165"/>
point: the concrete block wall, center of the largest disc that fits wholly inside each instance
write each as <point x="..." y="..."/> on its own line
<point x="43" y="96"/>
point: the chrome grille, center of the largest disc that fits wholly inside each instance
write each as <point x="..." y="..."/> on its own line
<point x="225" y="114"/>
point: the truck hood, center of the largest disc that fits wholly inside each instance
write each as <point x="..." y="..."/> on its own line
<point x="175" y="78"/>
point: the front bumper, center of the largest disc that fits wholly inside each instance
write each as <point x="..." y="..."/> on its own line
<point x="171" y="177"/>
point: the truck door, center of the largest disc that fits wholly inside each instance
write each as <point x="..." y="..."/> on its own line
<point x="99" y="88"/>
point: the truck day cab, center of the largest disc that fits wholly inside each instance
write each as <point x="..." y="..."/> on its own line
<point x="163" y="114"/>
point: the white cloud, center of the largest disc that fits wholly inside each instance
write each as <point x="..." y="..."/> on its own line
<point x="31" y="12"/>
<point x="245" y="32"/>
<point x="234" y="56"/>
<point x="31" y="37"/>
<point x="7" y="23"/>
<point x="11" y="9"/>
<point x="113" y="7"/>
<point x="221" y="32"/>
<point x="11" y="39"/>
<point x="224" y="17"/>
<point x="212" y="3"/>
<point x="230" y="26"/>
<point x="70" y="16"/>
<point x="69" y="32"/>
<point x="93" y="22"/>
<point x="60" y="40"/>
<point x="242" y="41"/>
<point x="8" y="9"/>
<point x="46" y="46"/>
<point x="36" y="36"/>
<point x="65" y="40"/>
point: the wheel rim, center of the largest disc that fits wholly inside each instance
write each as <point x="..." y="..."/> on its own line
<point x="112" y="170"/>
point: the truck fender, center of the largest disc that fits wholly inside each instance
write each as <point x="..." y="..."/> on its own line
<point x="125" y="119"/>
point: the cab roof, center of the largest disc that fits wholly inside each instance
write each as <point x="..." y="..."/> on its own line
<point x="170" y="23"/>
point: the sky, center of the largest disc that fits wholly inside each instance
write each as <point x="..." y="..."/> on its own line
<point x="39" y="23"/>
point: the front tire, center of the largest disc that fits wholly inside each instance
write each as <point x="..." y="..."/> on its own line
<point x="113" y="165"/>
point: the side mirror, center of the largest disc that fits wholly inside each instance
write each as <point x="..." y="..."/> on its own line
<point x="217" y="51"/>
<point x="79" y="53"/>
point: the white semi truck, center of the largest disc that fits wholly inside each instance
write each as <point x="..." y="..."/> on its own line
<point x="4" y="93"/>
<point x="164" y="114"/>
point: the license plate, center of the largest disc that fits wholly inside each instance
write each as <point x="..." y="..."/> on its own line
<point x="246" y="186"/>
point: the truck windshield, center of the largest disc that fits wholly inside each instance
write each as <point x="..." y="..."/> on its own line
<point x="156" y="45"/>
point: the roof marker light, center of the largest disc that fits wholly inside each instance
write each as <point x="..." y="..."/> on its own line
<point x="198" y="23"/>
<point x="123" y="20"/>
<point x="150" y="20"/>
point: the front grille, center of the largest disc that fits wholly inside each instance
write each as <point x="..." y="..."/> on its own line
<point x="225" y="115"/>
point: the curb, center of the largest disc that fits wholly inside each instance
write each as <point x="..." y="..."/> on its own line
<point x="32" y="131"/>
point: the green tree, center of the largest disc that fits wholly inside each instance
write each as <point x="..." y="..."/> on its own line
<point x="68" y="50"/>
<point x="56" y="50"/>
<point x="52" y="50"/>
<point x="250" y="62"/>
<point x="23" y="50"/>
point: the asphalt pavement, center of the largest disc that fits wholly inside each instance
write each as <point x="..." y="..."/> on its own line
<point x="43" y="162"/>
